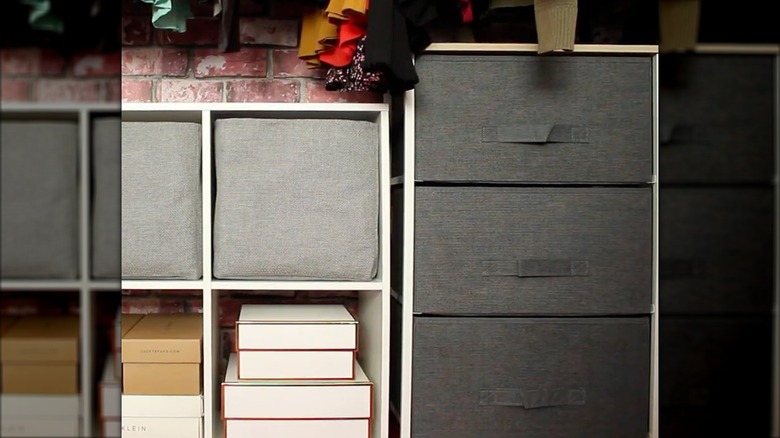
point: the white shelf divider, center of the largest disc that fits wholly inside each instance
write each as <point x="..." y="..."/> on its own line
<point x="297" y="285"/>
<point x="654" y="322"/>
<point x="163" y="284"/>
<point x="86" y="320"/>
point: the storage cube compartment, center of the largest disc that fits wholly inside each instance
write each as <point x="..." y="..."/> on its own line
<point x="39" y="183"/>
<point x="529" y="250"/>
<point x="106" y="194"/>
<point x="296" y="199"/>
<point x="249" y="321"/>
<point x="716" y="250"/>
<point x="161" y="197"/>
<point x="536" y="378"/>
<point x="521" y="118"/>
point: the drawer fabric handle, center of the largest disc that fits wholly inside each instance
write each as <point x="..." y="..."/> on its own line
<point x="669" y="134"/>
<point x="532" y="399"/>
<point x="535" y="134"/>
<point x="535" y="268"/>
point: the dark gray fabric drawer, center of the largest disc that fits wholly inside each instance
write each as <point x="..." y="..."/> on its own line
<point x="107" y="209"/>
<point x="509" y="250"/>
<point x="531" y="378"/>
<point x="40" y="199"/>
<point x="715" y="376"/>
<point x="530" y="118"/>
<point x="716" y="118"/>
<point x="716" y="250"/>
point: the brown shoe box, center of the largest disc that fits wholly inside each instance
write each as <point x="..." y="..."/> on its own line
<point x="162" y="354"/>
<point x="40" y="355"/>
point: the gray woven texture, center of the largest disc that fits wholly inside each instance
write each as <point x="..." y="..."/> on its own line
<point x="543" y="251"/>
<point x="717" y="119"/>
<point x="596" y="113"/>
<point x="530" y="378"/>
<point x="161" y="200"/>
<point x="107" y="191"/>
<point x="716" y="250"/>
<point x="40" y="202"/>
<point x="296" y="199"/>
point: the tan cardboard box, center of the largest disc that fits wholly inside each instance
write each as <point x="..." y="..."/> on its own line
<point x="162" y="354"/>
<point x="42" y="339"/>
<point x="40" y="355"/>
<point x="161" y="378"/>
<point x="39" y="378"/>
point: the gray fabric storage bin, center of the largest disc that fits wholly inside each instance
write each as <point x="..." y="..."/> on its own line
<point x="533" y="251"/>
<point x="531" y="377"/>
<point x="107" y="191"/>
<point x="40" y="199"/>
<point x="161" y="200"/>
<point x="716" y="250"/>
<point x="296" y="199"/>
<point x="507" y="117"/>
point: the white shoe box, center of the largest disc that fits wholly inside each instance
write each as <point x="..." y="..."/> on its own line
<point x="49" y="405"/>
<point x="40" y="426"/>
<point x="162" y="416"/>
<point x="33" y="415"/>
<point x="296" y="365"/>
<point x="313" y="399"/>
<point x="359" y="428"/>
<point x="146" y="427"/>
<point x="162" y="406"/>
<point x="296" y="327"/>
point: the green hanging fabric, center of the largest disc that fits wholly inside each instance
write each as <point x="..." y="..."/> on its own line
<point x="170" y="14"/>
<point x="42" y="17"/>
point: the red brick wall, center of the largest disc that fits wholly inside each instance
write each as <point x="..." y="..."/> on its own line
<point x="42" y="75"/>
<point x="165" y="66"/>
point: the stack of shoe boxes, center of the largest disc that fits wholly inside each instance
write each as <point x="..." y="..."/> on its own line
<point x="161" y="377"/>
<point x="40" y="377"/>
<point x="295" y="373"/>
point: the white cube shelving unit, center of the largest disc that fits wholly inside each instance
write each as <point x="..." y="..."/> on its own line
<point x="374" y="296"/>
<point x="84" y="285"/>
